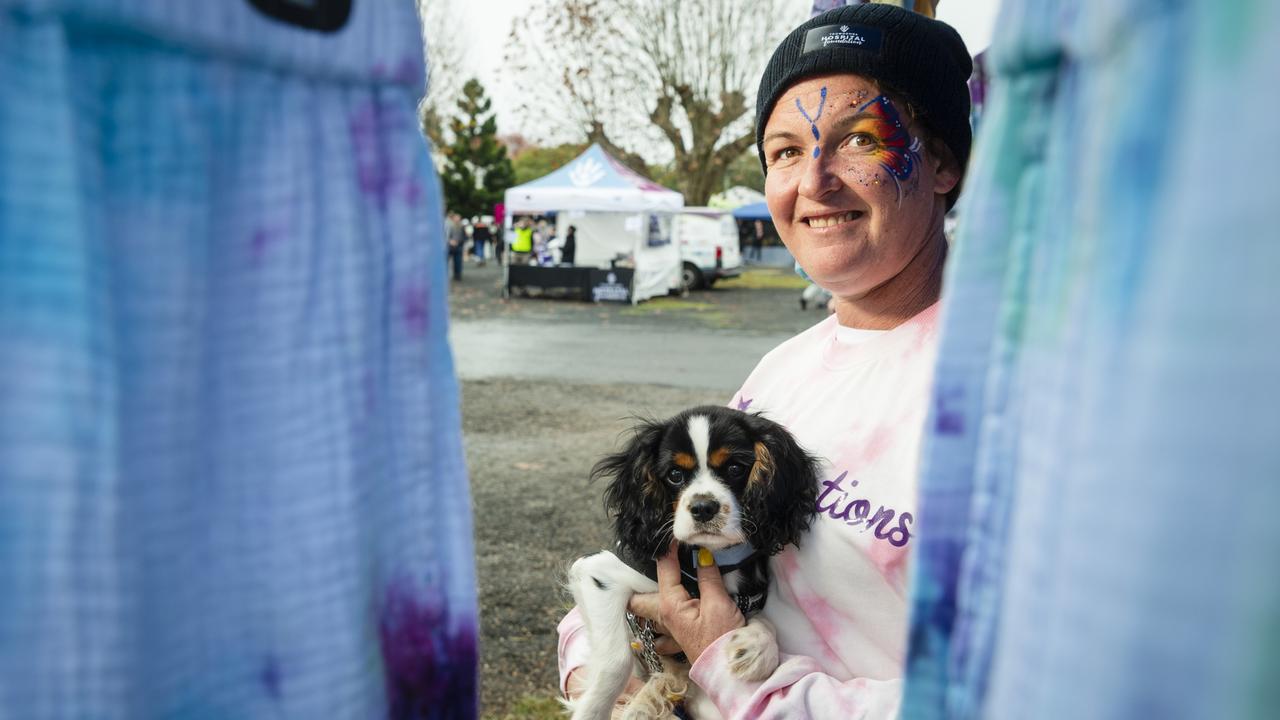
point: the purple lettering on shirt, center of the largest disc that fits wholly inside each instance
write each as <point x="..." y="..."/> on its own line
<point x="835" y="502"/>
<point x="829" y="486"/>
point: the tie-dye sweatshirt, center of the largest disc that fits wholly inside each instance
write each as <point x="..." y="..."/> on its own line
<point x="839" y="601"/>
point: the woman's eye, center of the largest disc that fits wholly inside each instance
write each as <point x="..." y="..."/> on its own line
<point x="862" y="140"/>
<point x="675" y="476"/>
<point x="735" y="471"/>
<point x="785" y="155"/>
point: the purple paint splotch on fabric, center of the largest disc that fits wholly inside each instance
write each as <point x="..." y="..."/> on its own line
<point x="260" y="243"/>
<point x="948" y="415"/>
<point x="408" y="71"/>
<point x="271" y="677"/>
<point x="429" y="657"/>
<point x="413" y="192"/>
<point x="372" y="125"/>
<point x="744" y="403"/>
<point x="413" y="303"/>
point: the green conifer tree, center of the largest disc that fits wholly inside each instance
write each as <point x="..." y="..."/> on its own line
<point x="477" y="170"/>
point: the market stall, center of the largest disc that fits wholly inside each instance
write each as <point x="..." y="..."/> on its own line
<point x="623" y="222"/>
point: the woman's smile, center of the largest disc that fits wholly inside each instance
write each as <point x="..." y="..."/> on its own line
<point x="832" y="220"/>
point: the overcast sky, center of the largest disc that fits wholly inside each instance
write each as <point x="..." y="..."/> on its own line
<point x="488" y="22"/>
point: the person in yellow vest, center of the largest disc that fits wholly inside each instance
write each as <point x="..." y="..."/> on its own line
<point x="522" y="243"/>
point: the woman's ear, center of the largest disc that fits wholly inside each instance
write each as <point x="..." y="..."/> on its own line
<point x="946" y="171"/>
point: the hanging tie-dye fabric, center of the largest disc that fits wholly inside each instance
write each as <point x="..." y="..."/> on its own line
<point x="231" y="478"/>
<point x="924" y="7"/>
<point x="1097" y="535"/>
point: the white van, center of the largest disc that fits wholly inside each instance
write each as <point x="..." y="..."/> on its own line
<point x="708" y="243"/>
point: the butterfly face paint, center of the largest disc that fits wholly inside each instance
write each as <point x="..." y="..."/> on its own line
<point x="868" y="133"/>
<point x="895" y="149"/>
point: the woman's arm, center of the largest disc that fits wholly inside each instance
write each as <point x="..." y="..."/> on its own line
<point x="573" y="649"/>
<point x="798" y="688"/>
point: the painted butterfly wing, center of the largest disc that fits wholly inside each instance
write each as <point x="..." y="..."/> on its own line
<point x="898" y="151"/>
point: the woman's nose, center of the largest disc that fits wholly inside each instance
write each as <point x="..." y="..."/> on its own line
<point x="818" y="179"/>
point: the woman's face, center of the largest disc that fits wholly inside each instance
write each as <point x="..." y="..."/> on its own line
<point x="852" y="190"/>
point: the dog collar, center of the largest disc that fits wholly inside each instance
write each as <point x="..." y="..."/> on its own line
<point x="727" y="559"/>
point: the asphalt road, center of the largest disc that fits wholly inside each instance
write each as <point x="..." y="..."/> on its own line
<point x="679" y="357"/>
<point x="550" y="386"/>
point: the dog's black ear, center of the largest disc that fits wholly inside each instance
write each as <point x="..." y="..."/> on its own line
<point x="782" y="490"/>
<point x="634" y="498"/>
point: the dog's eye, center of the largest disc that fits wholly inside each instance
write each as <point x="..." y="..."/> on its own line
<point x="675" y="476"/>
<point x="735" y="471"/>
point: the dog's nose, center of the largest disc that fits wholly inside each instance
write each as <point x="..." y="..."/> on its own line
<point x="704" y="509"/>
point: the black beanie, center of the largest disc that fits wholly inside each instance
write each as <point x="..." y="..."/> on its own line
<point x="920" y="58"/>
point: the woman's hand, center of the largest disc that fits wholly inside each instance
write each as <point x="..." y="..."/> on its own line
<point x="647" y="605"/>
<point x="688" y="624"/>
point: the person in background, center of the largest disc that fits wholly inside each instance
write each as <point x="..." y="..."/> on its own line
<point x="457" y="240"/>
<point x="480" y="237"/>
<point x="522" y="243"/>
<point x="570" y="248"/>
<point x="541" y="236"/>
<point x="757" y="240"/>
<point x="862" y="127"/>
<point x="499" y="231"/>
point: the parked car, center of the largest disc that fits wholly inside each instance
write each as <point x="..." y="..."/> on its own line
<point x="708" y="243"/>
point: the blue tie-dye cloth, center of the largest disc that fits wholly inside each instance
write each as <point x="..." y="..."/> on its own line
<point x="1097" y="535"/>
<point x="231" y="478"/>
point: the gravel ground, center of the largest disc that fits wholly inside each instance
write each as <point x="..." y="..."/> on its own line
<point x="530" y="446"/>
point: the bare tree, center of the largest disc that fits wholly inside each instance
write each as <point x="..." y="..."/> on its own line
<point x="444" y="55"/>
<point x="675" y="78"/>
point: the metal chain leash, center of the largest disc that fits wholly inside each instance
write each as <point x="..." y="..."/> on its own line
<point x="642" y="631"/>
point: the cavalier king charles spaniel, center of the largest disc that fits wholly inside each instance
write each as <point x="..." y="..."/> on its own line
<point x="712" y="478"/>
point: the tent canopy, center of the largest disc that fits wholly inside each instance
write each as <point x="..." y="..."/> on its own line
<point x="735" y="197"/>
<point x="594" y="180"/>
<point x="754" y="211"/>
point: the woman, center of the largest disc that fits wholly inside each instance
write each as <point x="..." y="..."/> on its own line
<point x="862" y="129"/>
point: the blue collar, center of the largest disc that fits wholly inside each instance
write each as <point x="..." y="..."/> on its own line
<point x="727" y="559"/>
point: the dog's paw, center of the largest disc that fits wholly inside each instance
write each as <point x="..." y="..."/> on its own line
<point x="753" y="651"/>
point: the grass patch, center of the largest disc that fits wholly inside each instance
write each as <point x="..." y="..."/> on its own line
<point x="533" y="707"/>
<point x="707" y="313"/>
<point x="663" y="304"/>
<point x="765" y="278"/>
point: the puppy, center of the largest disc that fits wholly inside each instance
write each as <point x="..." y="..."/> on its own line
<point x="714" y="478"/>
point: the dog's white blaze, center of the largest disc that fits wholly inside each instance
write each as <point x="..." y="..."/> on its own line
<point x="700" y="434"/>
<point x="706" y="483"/>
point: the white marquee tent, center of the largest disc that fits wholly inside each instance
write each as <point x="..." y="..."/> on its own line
<point x="618" y="214"/>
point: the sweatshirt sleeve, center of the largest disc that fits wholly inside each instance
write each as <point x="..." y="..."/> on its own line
<point x="573" y="648"/>
<point x="798" y="688"/>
